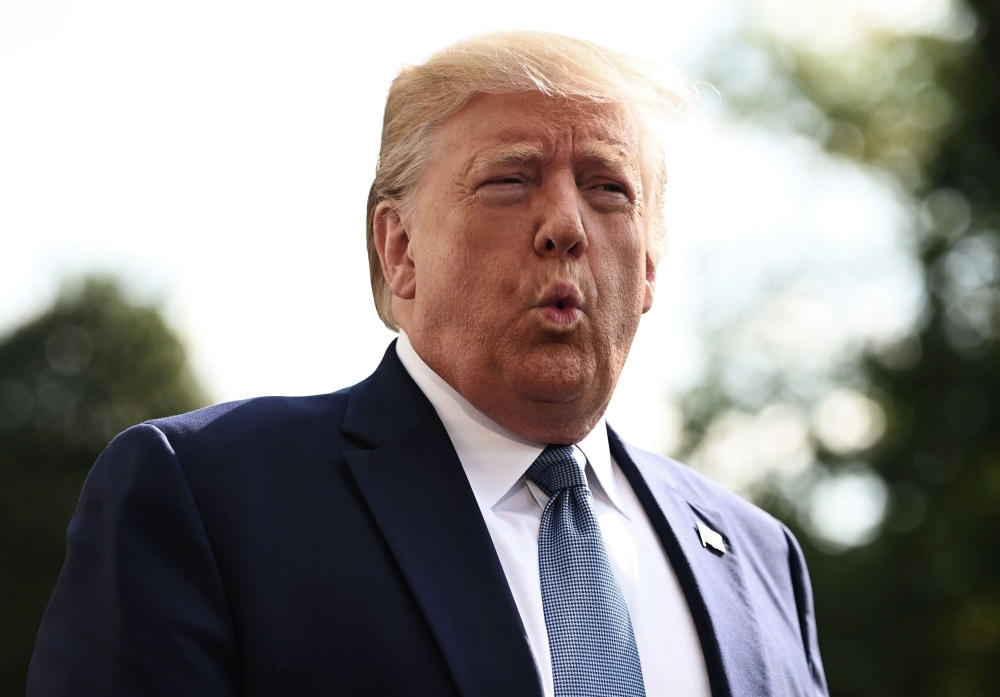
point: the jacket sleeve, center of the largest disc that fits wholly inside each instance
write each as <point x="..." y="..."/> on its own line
<point x="806" y="611"/>
<point x="139" y="608"/>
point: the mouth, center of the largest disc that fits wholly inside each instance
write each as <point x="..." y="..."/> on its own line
<point x="560" y="304"/>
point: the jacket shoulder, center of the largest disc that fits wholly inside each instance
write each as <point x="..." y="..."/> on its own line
<point x="248" y="421"/>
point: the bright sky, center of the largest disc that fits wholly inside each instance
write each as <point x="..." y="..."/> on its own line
<point x="217" y="155"/>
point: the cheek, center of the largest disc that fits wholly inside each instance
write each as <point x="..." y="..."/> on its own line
<point x="619" y="262"/>
<point x="469" y="257"/>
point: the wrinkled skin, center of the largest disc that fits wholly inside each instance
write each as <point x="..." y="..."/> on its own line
<point x="519" y="268"/>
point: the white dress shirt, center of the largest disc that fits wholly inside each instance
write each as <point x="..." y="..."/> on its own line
<point x="495" y="461"/>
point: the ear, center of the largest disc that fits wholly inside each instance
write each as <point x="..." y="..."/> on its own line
<point x="647" y="300"/>
<point x="392" y="240"/>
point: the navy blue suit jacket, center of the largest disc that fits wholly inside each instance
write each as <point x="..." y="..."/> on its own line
<point x="332" y="545"/>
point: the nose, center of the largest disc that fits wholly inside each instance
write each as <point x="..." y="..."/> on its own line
<point x="561" y="232"/>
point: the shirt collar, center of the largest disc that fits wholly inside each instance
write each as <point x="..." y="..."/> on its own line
<point x="493" y="457"/>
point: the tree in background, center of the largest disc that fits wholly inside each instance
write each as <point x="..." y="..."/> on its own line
<point x="913" y="608"/>
<point x="90" y="367"/>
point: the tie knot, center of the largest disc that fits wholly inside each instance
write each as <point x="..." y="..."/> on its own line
<point x="556" y="469"/>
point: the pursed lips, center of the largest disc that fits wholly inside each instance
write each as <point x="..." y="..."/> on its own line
<point x="560" y="303"/>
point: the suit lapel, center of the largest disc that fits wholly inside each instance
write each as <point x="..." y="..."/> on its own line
<point x="417" y="491"/>
<point x="713" y="583"/>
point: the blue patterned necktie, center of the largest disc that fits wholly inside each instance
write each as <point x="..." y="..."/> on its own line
<point x="590" y="632"/>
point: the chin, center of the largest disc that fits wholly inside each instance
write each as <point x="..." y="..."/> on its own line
<point x="557" y="376"/>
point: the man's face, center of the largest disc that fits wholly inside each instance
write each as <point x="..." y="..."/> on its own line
<point x="520" y="266"/>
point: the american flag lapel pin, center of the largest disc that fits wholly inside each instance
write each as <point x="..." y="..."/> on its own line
<point x="710" y="538"/>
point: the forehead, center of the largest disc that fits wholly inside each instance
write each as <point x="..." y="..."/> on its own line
<point x="500" y="122"/>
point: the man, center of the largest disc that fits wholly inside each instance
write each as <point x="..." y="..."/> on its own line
<point x="463" y="521"/>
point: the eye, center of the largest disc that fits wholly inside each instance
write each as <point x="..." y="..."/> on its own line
<point x="511" y="179"/>
<point x="608" y="195"/>
<point x="611" y="190"/>
<point x="504" y="190"/>
<point x="615" y="188"/>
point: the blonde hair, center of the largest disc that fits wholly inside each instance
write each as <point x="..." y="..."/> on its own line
<point x="423" y="96"/>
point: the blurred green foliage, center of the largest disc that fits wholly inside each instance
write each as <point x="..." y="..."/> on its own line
<point x="70" y="380"/>
<point x="916" y="611"/>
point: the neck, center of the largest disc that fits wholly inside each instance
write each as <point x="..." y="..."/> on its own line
<point x="540" y="421"/>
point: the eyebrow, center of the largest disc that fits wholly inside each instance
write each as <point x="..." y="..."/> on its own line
<point x="605" y="154"/>
<point x="513" y="155"/>
<point x="608" y="154"/>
